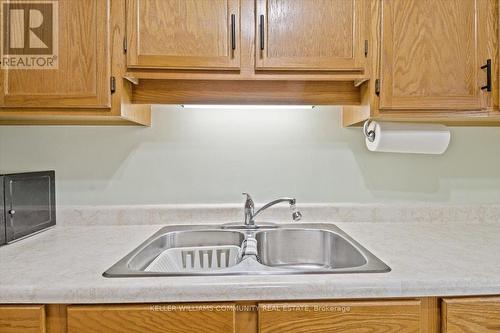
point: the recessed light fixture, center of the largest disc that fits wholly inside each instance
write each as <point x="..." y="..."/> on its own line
<point x="247" y="107"/>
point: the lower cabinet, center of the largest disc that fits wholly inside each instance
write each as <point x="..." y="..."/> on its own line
<point x="471" y="315"/>
<point x="153" y="318"/>
<point x="400" y="316"/>
<point x="22" y="319"/>
<point x="417" y="315"/>
<point x="390" y="316"/>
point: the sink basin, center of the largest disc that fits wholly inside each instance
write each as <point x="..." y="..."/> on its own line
<point x="307" y="249"/>
<point x="199" y="250"/>
<point x="187" y="249"/>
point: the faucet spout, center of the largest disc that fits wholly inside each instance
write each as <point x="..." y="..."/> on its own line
<point x="250" y="213"/>
<point x="291" y="202"/>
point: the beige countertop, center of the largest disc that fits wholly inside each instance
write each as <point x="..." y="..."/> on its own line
<point x="65" y="265"/>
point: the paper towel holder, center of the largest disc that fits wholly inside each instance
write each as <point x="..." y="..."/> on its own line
<point x="369" y="134"/>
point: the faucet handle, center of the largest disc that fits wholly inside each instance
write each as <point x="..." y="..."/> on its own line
<point x="249" y="210"/>
<point x="249" y="201"/>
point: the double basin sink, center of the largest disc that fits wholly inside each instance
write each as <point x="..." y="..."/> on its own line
<point x="199" y="250"/>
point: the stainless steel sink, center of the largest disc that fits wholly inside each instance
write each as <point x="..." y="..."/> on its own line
<point x="214" y="250"/>
<point x="307" y="249"/>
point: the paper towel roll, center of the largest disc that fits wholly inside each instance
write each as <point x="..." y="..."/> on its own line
<point x="409" y="138"/>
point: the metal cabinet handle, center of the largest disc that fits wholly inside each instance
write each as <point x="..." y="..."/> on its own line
<point x="261" y="27"/>
<point x="487" y="87"/>
<point x="12" y="212"/>
<point x="233" y="31"/>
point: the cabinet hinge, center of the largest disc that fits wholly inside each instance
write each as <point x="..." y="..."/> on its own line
<point x="113" y="84"/>
<point x="125" y="45"/>
<point x="377" y="87"/>
<point x="366" y="48"/>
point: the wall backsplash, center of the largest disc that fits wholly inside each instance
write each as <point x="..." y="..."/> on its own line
<point x="211" y="156"/>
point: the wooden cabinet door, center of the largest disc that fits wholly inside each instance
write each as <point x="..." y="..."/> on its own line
<point x="152" y="318"/>
<point x="431" y="54"/>
<point x="346" y="317"/>
<point x="81" y="77"/>
<point x="471" y="315"/>
<point x="183" y="34"/>
<point x="22" y="318"/>
<point x="310" y="35"/>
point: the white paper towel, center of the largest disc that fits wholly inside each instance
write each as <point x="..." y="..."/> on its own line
<point x="409" y="138"/>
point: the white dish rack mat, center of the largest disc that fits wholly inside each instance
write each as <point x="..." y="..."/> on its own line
<point x="200" y="258"/>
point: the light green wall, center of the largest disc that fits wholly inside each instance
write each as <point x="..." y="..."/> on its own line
<point x="211" y="156"/>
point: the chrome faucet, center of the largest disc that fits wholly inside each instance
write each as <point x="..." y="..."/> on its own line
<point x="250" y="213"/>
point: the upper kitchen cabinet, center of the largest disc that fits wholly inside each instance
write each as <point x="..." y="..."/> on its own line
<point x="61" y="60"/>
<point x="208" y="51"/>
<point x="63" y="64"/>
<point x="434" y="54"/>
<point x="183" y="34"/>
<point x="436" y="61"/>
<point x="321" y="35"/>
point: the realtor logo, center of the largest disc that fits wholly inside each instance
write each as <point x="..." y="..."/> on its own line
<point x="29" y="34"/>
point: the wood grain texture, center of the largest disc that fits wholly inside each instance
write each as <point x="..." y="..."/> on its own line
<point x="340" y="317"/>
<point x="183" y="33"/>
<point x="69" y="118"/>
<point x="56" y="318"/>
<point x="490" y="51"/>
<point x="356" y="115"/>
<point x="494" y="49"/>
<point x="430" y="315"/>
<point x="414" y="315"/>
<point x="471" y="315"/>
<point x="247" y="317"/>
<point x="486" y="113"/>
<point x="294" y="32"/>
<point x="22" y="319"/>
<point x="253" y="92"/>
<point x="122" y="112"/>
<point x="311" y="34"/>
<point x="122" y="107"/>
<point x="246" y="70"/>
<point x="430" y="54"/>
<point x="82" y="77"/>
<point x="246" y="75"/>
<point x="156" y="318"/>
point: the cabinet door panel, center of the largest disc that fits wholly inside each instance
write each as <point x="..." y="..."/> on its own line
<point x="471" y="315"/>
<point x="154" y="318"/>
<point x="345" y="317"/>
<point x="22" y="318"/>
<point x="310" y="34"/>
<point x="183" y="34"/>
<point x="431" y="54"/>
<point x="82" y="76"/>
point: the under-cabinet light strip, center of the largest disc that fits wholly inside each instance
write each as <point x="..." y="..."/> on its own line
<point x="247" y="107"/>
